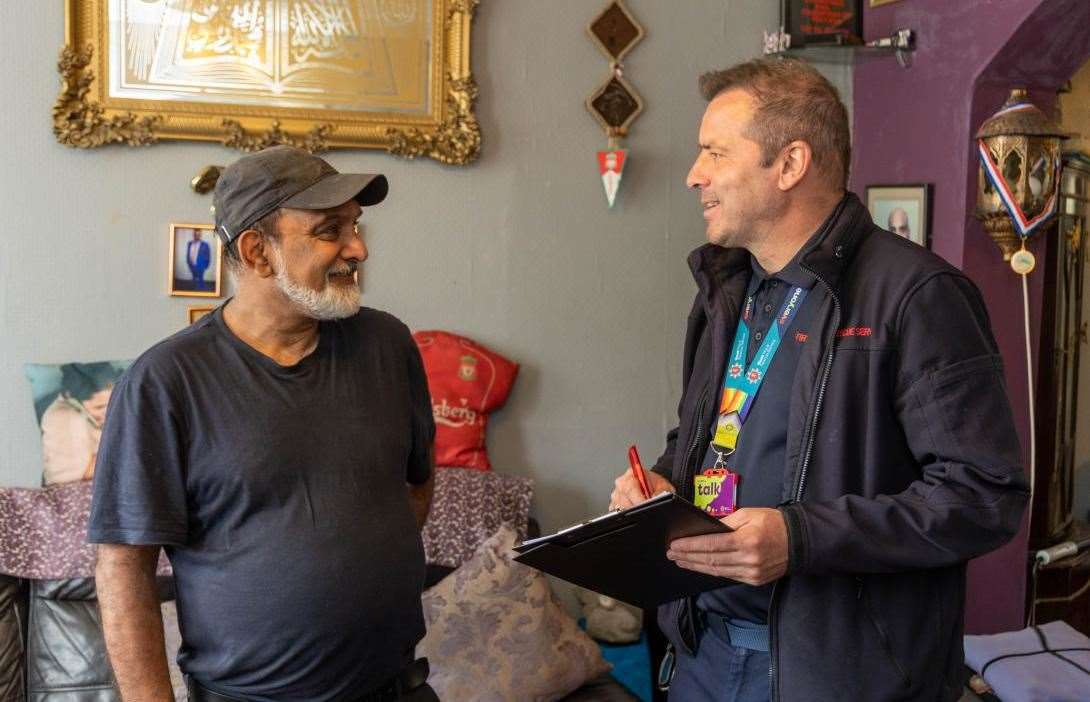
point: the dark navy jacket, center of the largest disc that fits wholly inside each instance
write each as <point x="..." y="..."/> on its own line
<point x="902" y="462"/>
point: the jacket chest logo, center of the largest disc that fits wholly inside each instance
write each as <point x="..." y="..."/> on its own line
<point x="842" y="333"/>
<point x="852" y="331"/>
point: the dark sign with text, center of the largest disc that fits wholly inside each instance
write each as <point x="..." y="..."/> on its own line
<point x="824" y="21"/>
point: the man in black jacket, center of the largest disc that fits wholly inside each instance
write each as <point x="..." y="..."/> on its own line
<point x="843" y="410"/>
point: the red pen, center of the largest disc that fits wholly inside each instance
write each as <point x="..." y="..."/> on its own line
<point x="637" y="471"/>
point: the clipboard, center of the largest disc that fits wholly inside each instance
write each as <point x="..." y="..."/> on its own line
<point x="623" y="554"/>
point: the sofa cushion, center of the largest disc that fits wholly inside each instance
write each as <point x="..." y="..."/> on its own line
<point x="496" y="632"/>
<point x="468" y="507"/>
<point x="43" y="532"/>
<point x="66" y="655"/>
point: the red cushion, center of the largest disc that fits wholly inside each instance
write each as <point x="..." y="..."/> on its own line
<point x="467" y="382"/>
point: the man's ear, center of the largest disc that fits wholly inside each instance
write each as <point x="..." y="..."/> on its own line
<point x="795" y="161"/>
<point x="254" y="253"/>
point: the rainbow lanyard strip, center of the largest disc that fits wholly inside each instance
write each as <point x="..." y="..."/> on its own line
<point x="740" y="384"/>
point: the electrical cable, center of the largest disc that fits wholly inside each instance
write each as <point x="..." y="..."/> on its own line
<point x="1030" y="618"/>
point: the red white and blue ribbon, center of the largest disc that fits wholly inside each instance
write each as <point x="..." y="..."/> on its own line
<point x="1022" y="223"/>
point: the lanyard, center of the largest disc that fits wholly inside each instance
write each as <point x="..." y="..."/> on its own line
<point x="740" y="384"/>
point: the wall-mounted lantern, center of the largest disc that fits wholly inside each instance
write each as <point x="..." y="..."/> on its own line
<point x="1019" y="149"/>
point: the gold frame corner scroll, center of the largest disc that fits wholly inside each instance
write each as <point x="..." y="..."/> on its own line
<point x="424" y="108"/>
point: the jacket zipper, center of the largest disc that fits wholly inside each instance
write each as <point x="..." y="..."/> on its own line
<point x="801" y="485"/>
<point x="689" y="470"/>
<point x="883" y="638"/>
<point x="698" y="436"/>
<point x="811" y="433"/>
<point x="774" y="694"/>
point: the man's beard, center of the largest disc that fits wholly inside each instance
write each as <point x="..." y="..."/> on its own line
<point x="333" y="301"/>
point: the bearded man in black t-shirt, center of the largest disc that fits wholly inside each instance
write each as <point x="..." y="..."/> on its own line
<point x="279" y="450"/>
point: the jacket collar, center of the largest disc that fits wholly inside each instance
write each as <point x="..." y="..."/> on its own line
<point x="826" y="255"/>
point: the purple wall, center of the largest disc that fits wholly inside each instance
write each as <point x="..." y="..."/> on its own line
<point x="916" y="125"/>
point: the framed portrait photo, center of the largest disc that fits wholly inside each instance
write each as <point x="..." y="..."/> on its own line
<point x="904" y="210"/>
<point x="196" y="261"/>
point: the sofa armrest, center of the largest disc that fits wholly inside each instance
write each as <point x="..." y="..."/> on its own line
<point x="12" y="635"/>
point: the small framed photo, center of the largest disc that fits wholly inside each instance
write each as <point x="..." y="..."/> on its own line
<point x="902" y="209"/>
<point x="196" y="261"/>
<point x="199" y="311"/>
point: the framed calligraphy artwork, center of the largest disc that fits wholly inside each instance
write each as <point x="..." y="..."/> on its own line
<point x="318" y="74"/>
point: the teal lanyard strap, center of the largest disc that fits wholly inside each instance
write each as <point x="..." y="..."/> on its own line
<point x="748" y="380"/>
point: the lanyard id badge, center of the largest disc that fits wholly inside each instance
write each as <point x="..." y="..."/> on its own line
<point x="716" y="487"/>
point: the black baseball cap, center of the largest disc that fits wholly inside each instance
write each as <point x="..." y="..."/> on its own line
<point x="286" y="176"/>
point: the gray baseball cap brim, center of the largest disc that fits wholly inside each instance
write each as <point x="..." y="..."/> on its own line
<point x="286" y="176"/>
<point x="338" y="188"/>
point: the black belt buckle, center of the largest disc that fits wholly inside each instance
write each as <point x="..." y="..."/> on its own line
<point x="200" y="693"/>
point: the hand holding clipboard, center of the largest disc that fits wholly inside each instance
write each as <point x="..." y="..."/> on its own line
<point x="760" y="558"/>
<point x="623" y="554"/>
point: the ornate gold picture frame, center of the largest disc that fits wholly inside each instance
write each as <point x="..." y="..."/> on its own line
<point x="318" y="74"/>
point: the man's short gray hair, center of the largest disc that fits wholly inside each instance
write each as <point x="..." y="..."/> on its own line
<point x="266" y="227"/>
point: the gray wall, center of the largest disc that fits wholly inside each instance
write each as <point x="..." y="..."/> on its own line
<point x="518" y="251"/>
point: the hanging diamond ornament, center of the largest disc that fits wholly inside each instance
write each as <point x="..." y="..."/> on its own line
<point x="616" y="31"/>
<point x="615" y="104"/>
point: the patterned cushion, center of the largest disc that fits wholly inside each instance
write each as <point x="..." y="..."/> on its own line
<point x="468" y="507"/>
<point x="496" y="632"/>
<point x="43" y="532"/>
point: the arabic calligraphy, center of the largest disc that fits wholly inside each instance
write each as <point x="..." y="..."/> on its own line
<point x="345" y="54"/>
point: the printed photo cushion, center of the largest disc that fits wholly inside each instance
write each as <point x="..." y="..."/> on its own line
<point x="467" y="382"/>
<point x="70" y="401"/>
<point x="496" y="633"/>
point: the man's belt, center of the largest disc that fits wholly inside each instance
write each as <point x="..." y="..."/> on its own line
<point x="412" y="677"/>
<point x="741" y="634"/>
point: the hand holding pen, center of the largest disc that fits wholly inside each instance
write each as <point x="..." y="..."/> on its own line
<point x="636" y="484"/>
<point x="636" y="467"/>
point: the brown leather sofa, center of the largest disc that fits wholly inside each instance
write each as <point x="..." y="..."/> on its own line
<point x="51" y="645"/>
<point x="52" y="650"/>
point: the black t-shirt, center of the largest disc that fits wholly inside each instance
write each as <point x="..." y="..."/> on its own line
<point x="279" y="494"/>
<point x="761" y="454"/>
